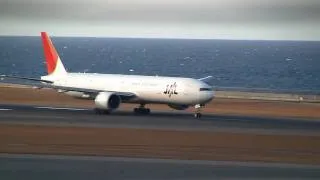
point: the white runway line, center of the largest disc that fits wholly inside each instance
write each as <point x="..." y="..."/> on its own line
<point x="61" y="108"/>
<point x="5" y="109"/>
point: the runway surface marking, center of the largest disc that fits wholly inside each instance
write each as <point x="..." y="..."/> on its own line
<point x="3" y="109"/>
<point x="60" y="108"/>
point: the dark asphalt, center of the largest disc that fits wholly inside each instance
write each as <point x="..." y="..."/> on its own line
<point x="81" y="167"/>
<point x="158" y="120"/>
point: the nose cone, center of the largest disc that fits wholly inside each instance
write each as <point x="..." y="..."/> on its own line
<point x="206" y="93"/>
<point x="206" y="96"/>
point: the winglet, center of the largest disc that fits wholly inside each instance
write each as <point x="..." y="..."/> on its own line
<point x="205" y="78"/>
<point x="53" y="61"/>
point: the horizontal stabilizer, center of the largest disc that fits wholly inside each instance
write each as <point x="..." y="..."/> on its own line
<point x="26" y="78"/>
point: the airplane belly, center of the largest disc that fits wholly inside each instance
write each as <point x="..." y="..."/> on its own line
<point x="161" y="98"/>
<point x="168" y="93"/>
<point x="150" y="96"/>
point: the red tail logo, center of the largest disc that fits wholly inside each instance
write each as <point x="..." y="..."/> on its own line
<point x="50" y="53"/>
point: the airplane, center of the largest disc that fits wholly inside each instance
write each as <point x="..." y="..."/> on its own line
<point x="108" y="91"/>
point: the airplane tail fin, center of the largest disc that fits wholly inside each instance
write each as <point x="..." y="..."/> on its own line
<point x="53" y="61"/>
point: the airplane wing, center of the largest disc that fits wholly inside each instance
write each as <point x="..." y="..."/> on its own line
<point x="205" y="79"/>
<point x="92" y="92"/>
<point x="49" y="84"/>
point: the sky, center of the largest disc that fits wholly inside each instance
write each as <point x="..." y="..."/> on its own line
<point x="208" y="19"/>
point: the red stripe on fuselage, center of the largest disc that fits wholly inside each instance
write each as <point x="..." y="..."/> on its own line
<point x="50" y="52"/>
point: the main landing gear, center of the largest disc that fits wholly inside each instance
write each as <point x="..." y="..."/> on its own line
<point x="101" y="111"/>
<point x="141" y="110"/>
<point x="197" y="113"/>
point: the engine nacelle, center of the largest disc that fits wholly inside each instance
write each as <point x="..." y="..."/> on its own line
<point x="178" y="107"/>
<point x="107" y="101"/>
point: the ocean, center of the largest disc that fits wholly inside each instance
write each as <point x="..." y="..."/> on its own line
<point x="272" y="65"/>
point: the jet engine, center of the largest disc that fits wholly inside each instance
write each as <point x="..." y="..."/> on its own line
<point x="107" y="101"/>
<point x="178" y="107"/>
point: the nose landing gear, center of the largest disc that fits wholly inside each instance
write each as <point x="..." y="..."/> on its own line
<point x="197" y="113"/>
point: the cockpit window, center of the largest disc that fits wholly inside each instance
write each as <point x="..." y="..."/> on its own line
<point x="205" y="89"/>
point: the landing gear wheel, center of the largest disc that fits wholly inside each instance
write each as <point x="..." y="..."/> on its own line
<point x="197" y="115"/>
<point x="97" y="111"/>
<point x="141" y="110"/>
<point x="101" y="111"/>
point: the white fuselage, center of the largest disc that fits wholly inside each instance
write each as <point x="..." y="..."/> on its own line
<point x="148" y="89"/>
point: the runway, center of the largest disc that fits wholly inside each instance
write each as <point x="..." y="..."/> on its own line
<point x="87" y="167"/>
<point x="217" y="146"/>
<point x="63" y="116"/>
